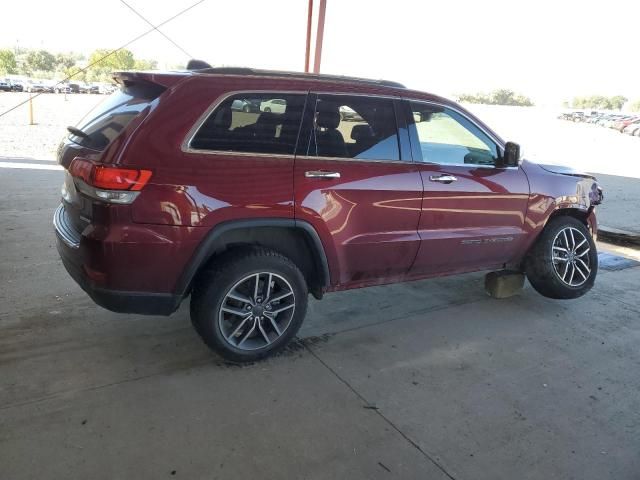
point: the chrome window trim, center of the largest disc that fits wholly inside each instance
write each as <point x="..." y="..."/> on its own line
<point x="492" y="137"/>
<point x="357" y="94"/>
<point x="186" y="143"/>
<point x="343" y="159"/>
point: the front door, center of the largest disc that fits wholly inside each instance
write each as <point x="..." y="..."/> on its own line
<point x="473" y="210"/>
<point x="356" y="188"/>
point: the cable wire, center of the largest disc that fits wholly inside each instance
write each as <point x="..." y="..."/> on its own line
<point x="107" y="55"/>
<point x="156" y="29"/>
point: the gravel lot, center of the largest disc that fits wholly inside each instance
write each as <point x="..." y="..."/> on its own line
<point x="52" y="113"/>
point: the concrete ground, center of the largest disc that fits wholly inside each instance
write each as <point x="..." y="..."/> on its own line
<point x="620" y="209"/>
<point x="428" y="380"/>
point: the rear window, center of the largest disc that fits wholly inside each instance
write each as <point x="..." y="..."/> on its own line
<point x="109" y="118"/>
<point x="253" y="123"/>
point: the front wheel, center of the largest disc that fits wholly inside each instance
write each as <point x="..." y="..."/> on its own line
<point x="563" y="263"/>
<point x="250" y="304"/>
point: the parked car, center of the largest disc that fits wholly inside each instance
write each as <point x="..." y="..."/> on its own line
<point x="347" y="114"/>
<point x="17" y="85"/>
<point x="275" y="105"/>
<point x="219" y="211"/>
<point x="632" y="128"/>
<point x="36" y="86"/>
<point x="88" y="88"/>
<point x="5" y="85"/>
<point x="62" y="88"/>
<point x="621" y="124"/>
<point x="106" y="88"/>
<point x="246" y="105"/>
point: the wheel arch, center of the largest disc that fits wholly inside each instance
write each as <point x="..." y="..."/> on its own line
<point x="296" y="239"/>
<point x="577" y="213"/>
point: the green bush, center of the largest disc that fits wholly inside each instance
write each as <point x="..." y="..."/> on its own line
<point x="497" y="97"/>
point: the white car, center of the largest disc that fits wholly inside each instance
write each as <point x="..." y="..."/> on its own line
<point x="276" y="105"/>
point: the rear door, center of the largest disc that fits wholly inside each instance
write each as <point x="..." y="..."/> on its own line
<point x="357" y="186"/>
<point x="473" y="210"/>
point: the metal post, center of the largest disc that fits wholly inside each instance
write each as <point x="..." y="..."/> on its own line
<point x="319" y="36"/>
<point x="308" y="51"/>
<point x="31" y="109"/>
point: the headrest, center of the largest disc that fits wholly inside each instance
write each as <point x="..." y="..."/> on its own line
<point x="361" y="132"/>
<point x="223" y="119"/>
<point x="269" y="118"/>
<point x="329" y="120"/>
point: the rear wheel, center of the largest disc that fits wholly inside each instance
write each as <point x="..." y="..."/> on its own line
<point x="250" y="304"/>
<point x="564" y="262"/>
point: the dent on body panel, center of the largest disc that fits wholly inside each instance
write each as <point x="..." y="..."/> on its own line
<point x="554" y="191"/>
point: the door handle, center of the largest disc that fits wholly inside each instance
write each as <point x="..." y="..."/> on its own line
<point x="321" y="174"/>
<point x="443" y="178"/>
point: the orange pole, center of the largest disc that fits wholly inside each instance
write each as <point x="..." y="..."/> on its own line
<point x="319" y="35"/>
<point x="307" y="54"/>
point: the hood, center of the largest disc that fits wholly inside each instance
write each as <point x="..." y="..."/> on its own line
<point x="561" y="169"/>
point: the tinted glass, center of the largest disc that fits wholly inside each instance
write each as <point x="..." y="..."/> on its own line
<point x="110" y="117"/>
<point x="447" y="137"/>
<point x="354" y="127"/>
<point x="253" y="123"/>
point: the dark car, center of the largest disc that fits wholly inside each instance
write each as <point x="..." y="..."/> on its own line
<point x="5" y="86"/>
<point x="247" y="105"/>
<point x="62" y="88"/>
<point x="88" y="88"/>
<point x="171" y="192"/>
<point x="17" y="86"/>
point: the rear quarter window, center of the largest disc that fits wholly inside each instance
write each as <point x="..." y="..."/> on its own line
<point x="266" y="123"/>
<point x="105" y="122"/>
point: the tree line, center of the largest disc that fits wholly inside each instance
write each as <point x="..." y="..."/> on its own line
<point x="46" y="65"/>
<point x="600" y="102"/>
<point x="497" y="97"/>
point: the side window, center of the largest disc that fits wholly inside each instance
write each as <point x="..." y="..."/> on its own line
<point x="253" y="123"/>
<point x="447" y="137"/>
<point x="354" y="127"/>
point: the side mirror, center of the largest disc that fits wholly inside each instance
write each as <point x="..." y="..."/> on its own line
<point x="511" y="157"/>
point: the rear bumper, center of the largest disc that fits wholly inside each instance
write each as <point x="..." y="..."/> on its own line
<point x="69" y="248"/>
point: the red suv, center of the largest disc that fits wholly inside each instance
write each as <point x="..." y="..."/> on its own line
<point x="248" y="189"/>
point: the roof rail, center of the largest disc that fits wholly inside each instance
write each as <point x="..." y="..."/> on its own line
<point x="280" y="73"/>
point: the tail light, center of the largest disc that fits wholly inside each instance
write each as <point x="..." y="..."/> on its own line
<point x="110" y="184"/>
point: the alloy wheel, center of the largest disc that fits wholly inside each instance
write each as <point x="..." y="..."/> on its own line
<point x="570" y="254"/>
<point x="256" y="311"/>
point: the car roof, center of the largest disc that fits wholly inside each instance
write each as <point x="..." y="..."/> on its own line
<point x="315" y="80"/>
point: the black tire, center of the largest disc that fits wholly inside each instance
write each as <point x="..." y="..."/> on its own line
<point x="267" y="109"/>
<point x="221" y="278"/>
<point x="545" y="275"/>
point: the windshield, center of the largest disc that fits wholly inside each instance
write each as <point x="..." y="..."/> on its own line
<point x="103" y="124"/>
